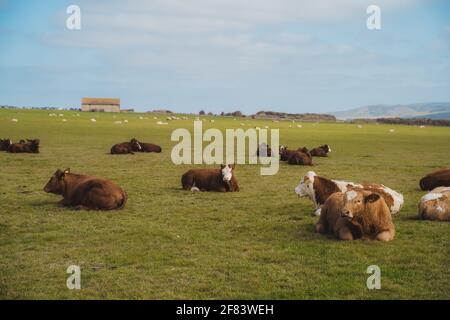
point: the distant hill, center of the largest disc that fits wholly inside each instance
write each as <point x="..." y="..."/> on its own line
<point x="432" y="110"/>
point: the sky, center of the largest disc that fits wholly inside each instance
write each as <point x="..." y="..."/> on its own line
<point x="225" y="55"/>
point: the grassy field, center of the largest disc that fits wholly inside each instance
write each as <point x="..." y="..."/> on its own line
<point x="172" y="244"/>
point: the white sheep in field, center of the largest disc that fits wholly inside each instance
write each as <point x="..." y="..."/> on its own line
<point x="14" y="120"/>
<point x="118" y="122"/>
<point x="161" y="123"/>
<point x="299" y="126"/>
<point x="93" y="120"/>
<point x="391" y="130"/>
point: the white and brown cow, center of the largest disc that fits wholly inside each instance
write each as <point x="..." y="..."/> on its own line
<point x="435" y="205"/>
<point x="356" y="214"/>
<point x="318" y="189"/>
<point x="210" y="179"/>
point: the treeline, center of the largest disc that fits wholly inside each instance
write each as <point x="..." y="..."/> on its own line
<point x="294" y="116"/>
<point x="415" y="121"/>
<point x="405" y="121"/>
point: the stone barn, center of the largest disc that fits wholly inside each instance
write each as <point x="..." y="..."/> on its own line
<point x="100" y="104"/>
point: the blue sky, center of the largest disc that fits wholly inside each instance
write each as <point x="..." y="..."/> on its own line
<point x="225" y="55"/>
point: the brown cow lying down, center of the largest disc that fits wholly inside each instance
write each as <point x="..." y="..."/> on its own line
<point x="285" y="153"/>
<point x="439" y="178"/>
<point x="85" y="192"/>
<point x="221" y="180"/>
<point x="126" y="147"/>
<point x="300" y="157"/>
<point x="321" y="151"/>
<point x="435" y="205"/>
<point x="356" y="214"/>
<point x="31" y="146"/>
<point x="263" y="151"/>
<point x="4" y="144"/>
<point x="146" y="147"/>
<point x="318" y="189"/>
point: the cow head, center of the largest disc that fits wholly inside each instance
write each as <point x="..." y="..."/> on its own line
<point x="5" y="143"/>
<point x="326" y="148"/>
<point x="227" y="172"/>
<point x="34" y="144"/>
<point x="306" y="186"/>
<point x="135" y="144"/>
<point x="56" y="183"/>
<point x="283" y="148"/>
<point x="355" y="203"/>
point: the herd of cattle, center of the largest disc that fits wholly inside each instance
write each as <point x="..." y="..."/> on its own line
<point x="348" y="210"/>
<point x="134" y="146"/>
<point x="300" y="156"/>
<point x="28" y="146"/>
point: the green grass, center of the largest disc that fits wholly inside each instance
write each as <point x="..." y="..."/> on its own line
<point x="172" y="244"/>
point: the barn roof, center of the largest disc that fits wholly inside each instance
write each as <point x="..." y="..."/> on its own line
<point x="101" y="101"/>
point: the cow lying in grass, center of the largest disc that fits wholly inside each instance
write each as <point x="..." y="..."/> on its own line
<point x="321" y="151"/>
<point x="4" y="144"/>
<point x="439" y="178"/>
<point x="356" y="214"/>
<point x="146" y="147"/>
<point x="221" y="180"/>
<point x="318" y="189"/>
<point x="435" y="205"/>
<point x="300" y="157"/>
<point x="86" y="192"/>
<point x="126" y="147"/>
<point x="263" y="150"/>
<point x="31" y="146"/>
<point x="285" y="152"/>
